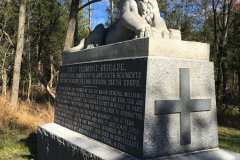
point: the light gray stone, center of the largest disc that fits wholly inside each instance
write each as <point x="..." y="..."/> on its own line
<point x="161" y="62"/>
<point x="165" y="58"/>
<point x="174" y="34"/>
<point x="162" y="132"/>
<point x="55" y="142"/>
<point x="141" y="48"/>
<point x="216" y="154"/>
<point x="184" y="106"/>
<point x="161" y="135"/>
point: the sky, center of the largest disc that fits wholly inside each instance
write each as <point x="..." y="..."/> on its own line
<point x="99" y="12"/>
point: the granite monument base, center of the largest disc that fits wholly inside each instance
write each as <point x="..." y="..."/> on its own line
<point x="57" y="142"/>
<point x="148" y="98"/>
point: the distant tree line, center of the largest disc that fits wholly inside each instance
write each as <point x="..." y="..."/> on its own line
<point x="44" y="30"/>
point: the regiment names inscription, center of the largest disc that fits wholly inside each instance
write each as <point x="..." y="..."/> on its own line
<point x="104" y="101"/>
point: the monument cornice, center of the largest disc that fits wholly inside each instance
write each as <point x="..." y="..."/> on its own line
<point x="142" y="47"/>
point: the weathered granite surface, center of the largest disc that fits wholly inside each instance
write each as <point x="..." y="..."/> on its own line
<point x="141" y="48"/>
<point x="216" y="154"/>
<point x="162" y="131"/>
<point x="105" y="101"/>
<point x="164" y="71"/>
<point x="55" y="142"/>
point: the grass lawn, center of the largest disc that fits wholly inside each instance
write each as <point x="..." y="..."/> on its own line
<point x="16" y="145"/>
<point x="229" y="138"/>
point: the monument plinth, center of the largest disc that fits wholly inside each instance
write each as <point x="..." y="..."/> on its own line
<point x="141" y="99"/>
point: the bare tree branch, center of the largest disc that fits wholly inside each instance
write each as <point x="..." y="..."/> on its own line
<point x="40" y="78"/>
<point x="85" y="5"/>
<point x="53" y="77"/>
<point x="8" y="37"/>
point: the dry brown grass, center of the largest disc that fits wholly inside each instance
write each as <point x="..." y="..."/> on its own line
<point x="25" y="116"/>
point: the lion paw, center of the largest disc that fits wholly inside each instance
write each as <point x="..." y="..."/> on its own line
<point x="153" y="32"/>
<point x="165" y="34"/>
<point x="174" y="34"/>
<point x="148" y="32"/>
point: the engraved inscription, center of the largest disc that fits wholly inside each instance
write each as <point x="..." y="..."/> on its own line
<point x="104" y="101"/>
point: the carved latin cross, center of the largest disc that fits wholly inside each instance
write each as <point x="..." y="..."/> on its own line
<point x="184" y="106"/>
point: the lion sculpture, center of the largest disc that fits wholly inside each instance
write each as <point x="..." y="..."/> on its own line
<point x="138" y="19"/>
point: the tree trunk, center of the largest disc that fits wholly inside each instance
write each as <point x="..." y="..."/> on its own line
<point x="215" y="50"/>
<point x="226" y="16"/>
<point x="29" y="85"/>
<point x="72" y="21"/>
<point x="4" y="83"/>
<point x="4" y="75"/>
<point x="10" y="76"/>
<point x="19" y="51"/>
<point x="238" y="73"/>
<point x="234" y="81"/>
<point x="30" y="73"/>
<point x="216" y="54"/>
<point x="23" y="88"/>
<point x="51" y="66"/>
<point x="29" y="57"/>
<point x="90" y="17"/>
<point x="39" y="50"/>
<point x="218" y="82"/>
<point x="112" y="16"/>
<point x="50" y="85"/>
<point x="71" y="24"/>
<point x="76" y="37"/>
<point x="205" y="19"/>
<point x="39" y="69"/>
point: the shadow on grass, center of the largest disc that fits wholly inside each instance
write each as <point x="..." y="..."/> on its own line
<point x="31" y="143"/>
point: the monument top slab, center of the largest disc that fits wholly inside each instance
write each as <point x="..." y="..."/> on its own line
<point x="142" y="47"/>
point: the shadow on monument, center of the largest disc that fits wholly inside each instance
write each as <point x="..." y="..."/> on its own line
<point x="31" y="143"/>
<point x="156" y="130"/>
<point x="201" y="128"/>
<point x="164" y="145"/>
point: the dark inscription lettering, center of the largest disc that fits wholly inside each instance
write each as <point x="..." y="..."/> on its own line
<point x="104" y="101"/>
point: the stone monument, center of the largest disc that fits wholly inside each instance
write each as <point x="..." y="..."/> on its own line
<point x="148" y="96"/>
